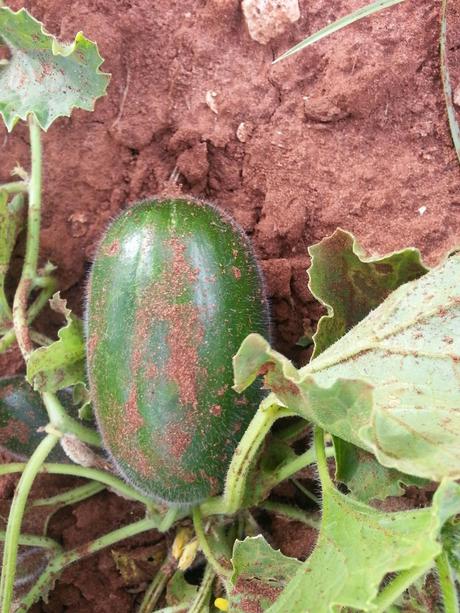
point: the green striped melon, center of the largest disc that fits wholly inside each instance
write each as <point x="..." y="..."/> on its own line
<point x="174" y="290"/>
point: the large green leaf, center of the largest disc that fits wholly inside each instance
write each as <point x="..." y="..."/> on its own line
<point x="390" y="385"/>
<point x="350" y="285"/>
<point x="358" y="546"/>
<point x="43" y="76"/>
<point x="259" y="574"/>
<point x="62" y="363"/>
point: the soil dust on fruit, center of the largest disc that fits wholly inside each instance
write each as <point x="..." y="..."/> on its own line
<point x="351" y="133"/>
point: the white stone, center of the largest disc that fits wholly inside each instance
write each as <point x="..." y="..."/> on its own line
<point x="267" y="19"/>
<point x="211" y="101"/>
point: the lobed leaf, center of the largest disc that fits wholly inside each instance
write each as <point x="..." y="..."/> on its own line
<point x="390" y="385"/>
<point x="358" y="546"/>
<point x="43" y="76"/>
<point x="259" y="574"/>
<point x="62" y="363"/>
<point x="350" y="285"/>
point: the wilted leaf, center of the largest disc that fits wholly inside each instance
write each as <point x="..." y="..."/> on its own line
<point x="260" y="573"/>
<point x="390" y="385"/>
<point x="140" y="564"/>
<point x="350" y="286"/>
<point x="62" y="363"/>
<point x="44" y="76"/>
<point x="359" y="545"/>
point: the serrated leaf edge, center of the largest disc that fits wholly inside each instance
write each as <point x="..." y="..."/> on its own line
<point x="63" y="49"/>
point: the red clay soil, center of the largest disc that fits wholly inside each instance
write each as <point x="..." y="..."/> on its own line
<point x="351" y="132"/>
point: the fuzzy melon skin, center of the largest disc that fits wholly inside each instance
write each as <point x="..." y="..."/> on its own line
<point x="174" y="290"/>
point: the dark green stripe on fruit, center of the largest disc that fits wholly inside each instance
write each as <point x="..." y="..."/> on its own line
<point x="23" y="416"/>
<point x="173" y="292"/>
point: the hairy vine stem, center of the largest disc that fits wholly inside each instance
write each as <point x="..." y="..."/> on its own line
<point x="13" y="529"/>
<point x="29" y="271"/>
<point x="447" y="584"/>
<point x="69" y="557"/>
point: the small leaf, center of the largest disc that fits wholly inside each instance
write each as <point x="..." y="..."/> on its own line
<point x="22" y="414"/>
<point x="390" y="385"/>
<point x="62" y="363"/>
<point x="140" y="564"/>
<point x="43" y="76"/>
<point x="358" y="546"/>
<point x="180" y="593"/>
<point x="82" y="399"/>
<point x="259" y="575"/>
<point x="351" y="286"/>
<point x="365" y="478"/>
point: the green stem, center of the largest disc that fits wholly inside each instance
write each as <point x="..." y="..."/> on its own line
<point x="66" y="424"/>
<point x="168" y="519"/>
<point x="204" y="545"/>
<point x="77" y="494"/>
<point x="292" y="467"/>
<point x="31" y="540"/>
<point x="7" y="340"/>
<point x="41" y="301"/>
<point x="93" y="474"/>
<point x="29" y="270"/>
<point x="321" y="459"/>
<point x="397" y="587"/>
<point x="306" y="492"/>
<point x="288" y="511"/>
<point x="242" y="461"/>
<point x="297" y="429"/>
<point x="39" y="338"/>
<point x="200" y="604"/>
<point x="15" y="187"/>
<point x="447" y="584"/>
<point x="156" y="588"/>
<point x="15" y="519"/>
<point x="69" y="557"/>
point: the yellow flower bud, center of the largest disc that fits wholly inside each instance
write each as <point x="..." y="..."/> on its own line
<point x="183" y="536"/>
<point x="188" y="555"/>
